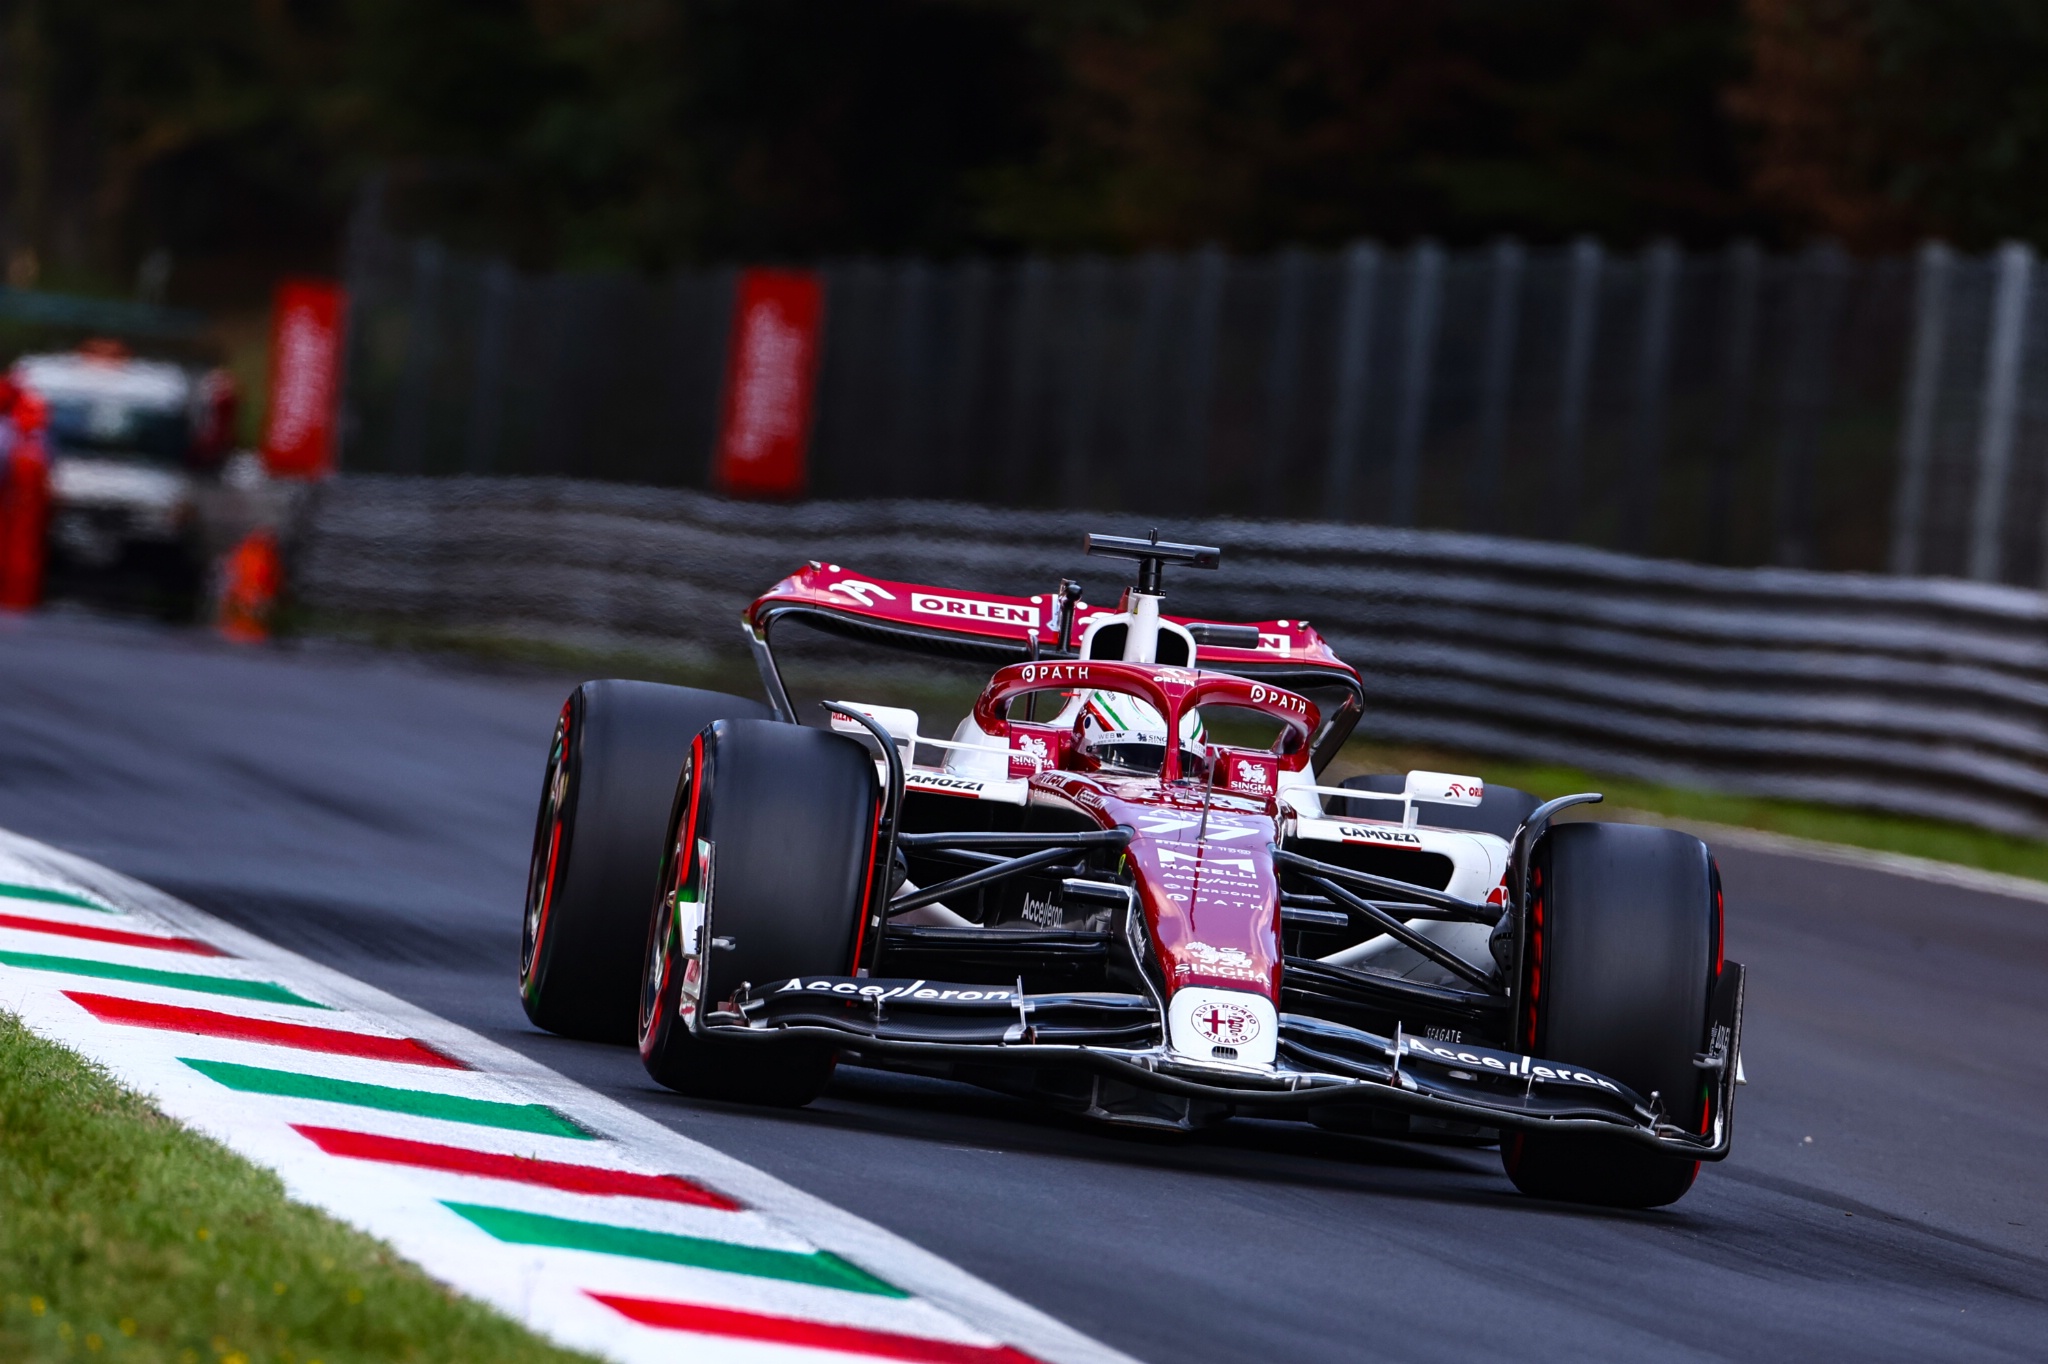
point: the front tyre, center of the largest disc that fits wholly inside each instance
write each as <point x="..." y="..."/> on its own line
<point x="764" y="877"/>
<point x="1623" y="952"/>
<point x="597" y="845"/>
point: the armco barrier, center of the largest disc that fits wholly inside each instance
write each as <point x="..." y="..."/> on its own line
<point x="1923" y="696"/>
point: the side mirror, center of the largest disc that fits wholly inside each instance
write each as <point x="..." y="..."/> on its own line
<point x="900" y="723"/>
<point x="1443" y="788"/>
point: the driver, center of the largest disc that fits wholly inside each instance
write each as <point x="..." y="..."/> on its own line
<point x="1126" y="734"/>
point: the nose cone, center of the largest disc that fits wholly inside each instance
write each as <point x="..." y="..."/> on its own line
<point x="1206" y="1024"/>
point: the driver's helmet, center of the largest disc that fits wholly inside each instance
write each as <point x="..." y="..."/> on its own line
<point x="1125" y="734"/>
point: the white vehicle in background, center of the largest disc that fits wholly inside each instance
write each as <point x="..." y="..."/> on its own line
<point x="131" y="441"/>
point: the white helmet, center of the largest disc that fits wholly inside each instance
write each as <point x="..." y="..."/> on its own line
<point x="1126" y="734"/>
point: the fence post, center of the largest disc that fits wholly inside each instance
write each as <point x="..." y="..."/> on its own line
<point x="1418" y="346"/>
<point x="1146" y="397"/>
<point x="1084" y="366"/>
<point x="1923" y="394"/>
<point x="910" y="393"/>
<point x="487" y="380"/>
<point x="701" y="308"/>
<point x="1283" y="375"/>
<point x="1198" y="380"/>
<point x="1496" y="378"/>
<point x="970" y="316"/>
<point x="422" y="342"/>
<point x="1740" y="292"/>
<point x="1354" y="374"/>
<point x="1653" y="367"/>
<point x="1804" y="396"/>
<point x="550" y="425"/>
<point x="1581" y="323"/>
<point x="364" y="243"/>
<point x="1027" y="335"/>
<point x="2004" y="347"/>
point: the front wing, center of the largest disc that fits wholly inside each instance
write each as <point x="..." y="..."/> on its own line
<point x="1322" y="1064"/>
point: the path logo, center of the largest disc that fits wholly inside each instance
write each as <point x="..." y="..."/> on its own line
<point x="1226" y="1025"/>
<point x="1053" y="672"/>
<point x="1282" y="700"/>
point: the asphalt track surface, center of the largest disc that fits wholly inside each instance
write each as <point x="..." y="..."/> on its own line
<point x="1887" y="1198"/>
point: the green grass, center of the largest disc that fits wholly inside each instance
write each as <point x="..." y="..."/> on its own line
<point x="124" y="1236"/>
<point x="944" y="696"/>
<point x="1943" y="842"/>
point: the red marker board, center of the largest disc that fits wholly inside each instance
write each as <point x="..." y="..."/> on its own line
<point x="771" y="369"/>
<point x="305" y="378"/>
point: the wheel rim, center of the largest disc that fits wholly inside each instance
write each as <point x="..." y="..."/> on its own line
<point x="654" y="984"/>
<point x="545" y="869"/>
<point x="662" y="941"/>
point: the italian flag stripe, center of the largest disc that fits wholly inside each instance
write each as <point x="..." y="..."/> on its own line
<point x="818" y="1267"/>
<point x="53" y="897"/>
<point x="110" y="935"/>
<point x="420" y="1103"/>
<point x="304" y="1036"/>
<point x="816" y="1335"/>
<point x="548" y="1174"/>
<point x="143" y="975"/>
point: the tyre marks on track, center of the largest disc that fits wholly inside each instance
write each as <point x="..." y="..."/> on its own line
<point x="591" y="1224"/>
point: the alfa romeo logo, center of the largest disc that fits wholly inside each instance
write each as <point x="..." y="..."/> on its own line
<point x="1228" y="1025"/>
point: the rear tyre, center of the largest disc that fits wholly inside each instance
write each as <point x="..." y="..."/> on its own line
<point x="1500" y="812"/>
<point x="763" y="878"/>
<point x="1624" y="947"/>
<point x="597" y="849"/>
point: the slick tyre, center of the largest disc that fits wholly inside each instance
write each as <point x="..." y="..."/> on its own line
<point x="597" y="843"/>
<point x="1624" y="947"/>
<point x="764" y="877"/>
<point x="1500" y="812"/>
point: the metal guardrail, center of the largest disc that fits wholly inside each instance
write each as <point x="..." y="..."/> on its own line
<point x="1923" y="696"/>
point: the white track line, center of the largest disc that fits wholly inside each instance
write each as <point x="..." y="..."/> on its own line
<point x="545" y="1286"/>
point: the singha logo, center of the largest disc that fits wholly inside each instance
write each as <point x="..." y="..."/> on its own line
<point x="1250" y="776"/>
<point x="1234" y="960"/>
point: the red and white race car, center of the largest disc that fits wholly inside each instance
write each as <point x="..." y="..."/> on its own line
<point x="1116" y="885"/>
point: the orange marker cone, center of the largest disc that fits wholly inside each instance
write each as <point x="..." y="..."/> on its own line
<point x="250" y="578"/>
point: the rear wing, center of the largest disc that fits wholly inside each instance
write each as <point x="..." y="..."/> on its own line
<point x="949" y="622"/>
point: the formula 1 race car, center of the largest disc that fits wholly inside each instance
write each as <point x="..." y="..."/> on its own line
<point x="1117" y="887"/>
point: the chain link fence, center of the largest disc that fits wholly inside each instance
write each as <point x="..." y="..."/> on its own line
<point x="1736" y="407"/>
